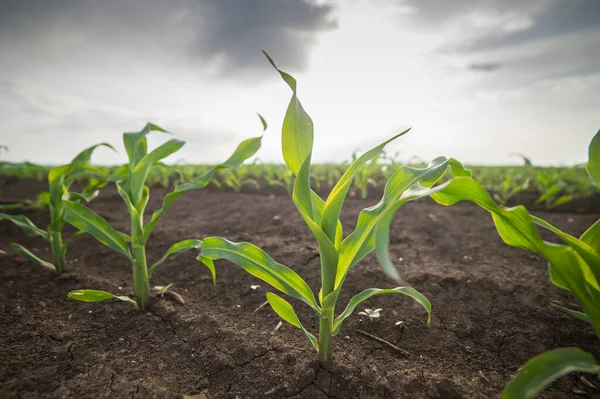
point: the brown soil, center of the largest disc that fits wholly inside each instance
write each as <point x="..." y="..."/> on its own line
<point x="490" y="310"/>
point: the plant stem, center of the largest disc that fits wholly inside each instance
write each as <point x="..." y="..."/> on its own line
<point x="141" y="282"/>
<point x="58" y="251"/>
<point x="325" y="327"/>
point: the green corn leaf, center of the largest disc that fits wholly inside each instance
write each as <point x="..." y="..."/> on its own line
<point x="243" y="151"/>
<point x="303" y="198"/>
<point x="120" y="174"/>
<point x="302" y="195"/>
<point x="86" y="220"/>
<point x="263" y="122"/>
<point x="362" y="241"/>
<point x="26" y="225"/>
<point x="56" y="178"/>
<point x="371" y="292"/>
<point x="43" y="198"/>
<point x="592" y="235"/>
<point x="514" y="224"/>
<point x="589" y="254"/>
<point x="287" y="313"/>
<point x="80" y="197"/>
<point x="27" y="254"/>
<point x="382" y="229"/>
<point x="85" y="156"/>
<point x="8" y="207"/>
<point x="98" y="296"/>
<point x="259" y="264"/>
<point x="457" y="168"/>
<point x="96" y="184"/>
<point x="563" y="199"/>
<point x="136" y="144"/>
<point x="181" y="246"/>
<point x="543" y="369"/>
<point x="142" y="168"/>
<point x="97" y="176"/>
<point x="593" y="165"/>
<point x="200" y="182"/>
<point x="133" y="212"/>
<point x="168" y="201"/>
<point x="210" y="264"/>
<point x="335" y="200"/>
<point x="73" y="238"/>
<point x="297" y="131"/>
<point x="550" y="193"/>
<point x="573" y="313"/>
<point x="516" y="227"/>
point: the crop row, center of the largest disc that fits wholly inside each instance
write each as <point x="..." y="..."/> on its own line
<point x="574" y="266"/>
<point x="551" y="186"/>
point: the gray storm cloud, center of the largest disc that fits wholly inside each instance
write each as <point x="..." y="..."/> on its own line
<point x="533" y="41"/>
<point x="225" y="36"/>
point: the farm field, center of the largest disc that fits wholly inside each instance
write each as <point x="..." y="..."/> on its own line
<point x="490" y="308"/>
<point x="173" y="328"/>
<point x="408" y="208"/>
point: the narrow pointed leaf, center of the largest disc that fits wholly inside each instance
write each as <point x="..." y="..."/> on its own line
<point x="56" y="178"/>
<point x="86" y="220"/>
<point x="362" y="241"/>
<point x="210" y="264"/>
<point x="543" y="369"/>
<point x="80" y="197"/>
<point x="297" y="131"/>
<point x="26" y="225"/>
<point x="85" y="156"/>
<point x="371" y="292"/>
<point x="304" y="199"/>
<point x="97" y="296"/>
<point x="259" y="264"/>
<point x="244" y="151"/>
<point x="136" y="144"/>
<point x="593" y="165"/>
<point x="568" y="269"/>
<point x="587" y="252"/>
<point x="181" y="246"/>
<point x="29" y="255"/>
<point x="382" y="230"/>
<point x="592" y="235"/>
<point x="573" y="313"/>
<point x="70" y="240"/>
<point x="140" y="172"/>
<point x="335" y="200"/>
<point x="287" y="313"/>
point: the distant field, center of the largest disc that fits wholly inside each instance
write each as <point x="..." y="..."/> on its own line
<point x="546" y="187"/>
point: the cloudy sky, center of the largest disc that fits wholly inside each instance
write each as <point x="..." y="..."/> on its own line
<point x="476" y="79"/>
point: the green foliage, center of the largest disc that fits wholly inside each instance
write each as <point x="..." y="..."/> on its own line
<point x="541" y="370"/>
<point x="131" y="181"/>
<point x="574" y="266"/>
<point x="60" y="180"/>
<point x="337" y="254"/>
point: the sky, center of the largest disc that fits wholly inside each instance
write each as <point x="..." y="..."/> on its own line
<point x="477" y="80"/>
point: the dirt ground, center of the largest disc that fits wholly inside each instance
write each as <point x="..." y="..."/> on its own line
<point x="490" y="302"/>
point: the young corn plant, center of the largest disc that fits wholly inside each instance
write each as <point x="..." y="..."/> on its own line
<point x="135" y="193"/>
<point x="60" y="180"/>
<point x="337" y="254"/>
<point x="574" y="266"/>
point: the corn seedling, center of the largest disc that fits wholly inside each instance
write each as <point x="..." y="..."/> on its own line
<point x="337" y="254"/>
<point x="574" y="267"/>
<point x="238" y="178"/>
<point x="135" y="193"/>
<point x="60" y="180"/>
